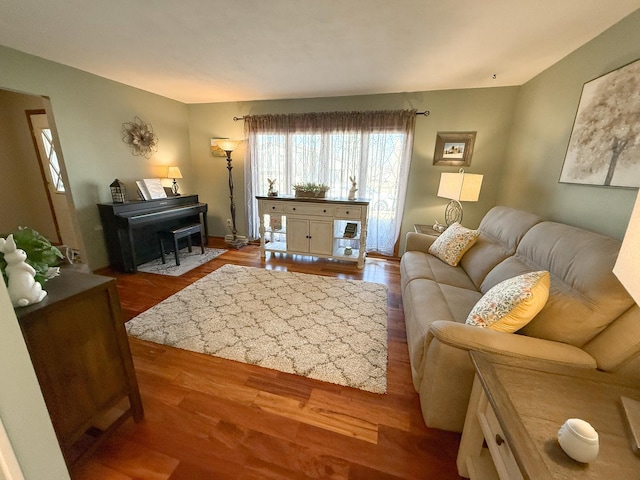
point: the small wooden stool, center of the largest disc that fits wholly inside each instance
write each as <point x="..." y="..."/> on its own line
<point x="176" y="235"/>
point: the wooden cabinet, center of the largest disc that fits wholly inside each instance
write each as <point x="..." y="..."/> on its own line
<point x="80" y="352"/>
<point x="313" y="226"/>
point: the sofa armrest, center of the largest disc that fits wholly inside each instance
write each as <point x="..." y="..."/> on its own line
<point x="468" y="337"/>
<point x="447" y="370"/>
<point x="418" y="242"/>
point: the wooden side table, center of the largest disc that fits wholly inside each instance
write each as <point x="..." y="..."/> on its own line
<point x="517" y="408"/>
<point x="426" y="230"/>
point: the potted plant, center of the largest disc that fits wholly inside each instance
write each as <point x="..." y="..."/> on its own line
<point x="41" y="255"/>
<point x="310" y="189"/>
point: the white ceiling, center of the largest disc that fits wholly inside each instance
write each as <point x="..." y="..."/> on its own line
<point x="232" y="50"/>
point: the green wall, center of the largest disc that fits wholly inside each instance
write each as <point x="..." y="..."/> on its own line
<point x="487" y="111"/>
<point x="522" y="137"/>
<point x="89" y="112"/>
<point x="543" y="121"/>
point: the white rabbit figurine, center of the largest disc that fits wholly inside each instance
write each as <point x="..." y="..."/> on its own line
<point x="352" y="192"/>
<point x="272" y="192"/>
<point x="23" y="288"/>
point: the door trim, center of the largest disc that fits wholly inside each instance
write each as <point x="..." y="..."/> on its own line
<point x="42" y="172"/>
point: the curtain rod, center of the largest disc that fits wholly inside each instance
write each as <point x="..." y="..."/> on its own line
<point x="426" y="113"/>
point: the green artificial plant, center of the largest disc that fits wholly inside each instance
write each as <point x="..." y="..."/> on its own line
<point x="41" y="255"/>
<point x="310" y="187"/>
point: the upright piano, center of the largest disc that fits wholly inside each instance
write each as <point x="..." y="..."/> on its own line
<point x="131" y="228"/>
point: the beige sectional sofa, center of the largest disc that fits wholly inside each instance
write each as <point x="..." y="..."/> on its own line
<point x="588" y="321"/>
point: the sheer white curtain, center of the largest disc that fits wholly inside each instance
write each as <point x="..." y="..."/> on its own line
<point x="328" y="148"/>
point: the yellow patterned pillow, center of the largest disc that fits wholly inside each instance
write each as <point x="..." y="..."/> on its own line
<point x="512" y="303"/>
<point x="453" y="243"/>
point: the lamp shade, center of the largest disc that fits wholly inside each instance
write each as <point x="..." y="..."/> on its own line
<point x="226" y="144"/>
<point x="463" y="187"/>
<point x="174" y="172"/>
<point x="627" y="267"/>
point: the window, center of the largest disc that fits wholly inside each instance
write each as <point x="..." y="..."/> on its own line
<point x="328" y="148"/>
<point x="52" y="160"/>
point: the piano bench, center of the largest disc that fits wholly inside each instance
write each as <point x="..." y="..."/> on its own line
<point x="183" y="232"/>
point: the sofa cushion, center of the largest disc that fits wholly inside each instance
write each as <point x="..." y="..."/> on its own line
<point x="584" y="296"/>
<point x="453" y="243"/>
<point x="501" y="230"/>
<point x="426" y="301"/>
<point x="423" y="265"/>
<point x="512" y="303"/>
<point x="624" y="333"/>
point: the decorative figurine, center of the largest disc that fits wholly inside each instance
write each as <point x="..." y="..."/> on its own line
<point x="352" y="192"/>
<point x="271" y="192"/>
<point x="118" y="191"/>
<point x="23" y="288"/>
<point x="438" y="227"/>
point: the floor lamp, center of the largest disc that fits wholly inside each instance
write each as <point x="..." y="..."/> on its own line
<point x="229" y="146"/>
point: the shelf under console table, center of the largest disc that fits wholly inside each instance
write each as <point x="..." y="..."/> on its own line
<point x="314" y="226"/>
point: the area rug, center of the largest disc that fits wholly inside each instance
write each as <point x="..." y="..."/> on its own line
<point x="188" y="261"/>
<point x="319" y="327"/>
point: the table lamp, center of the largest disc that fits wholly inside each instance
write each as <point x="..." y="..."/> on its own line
<point x="174" y="172"/>
<point x="458" y="187"/>
<point x="627" y="269"/>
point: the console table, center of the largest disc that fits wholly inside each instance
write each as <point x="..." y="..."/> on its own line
<point x="313" y="226"/>
<point x="80" y="352"/>
<point x="517" y="407"/>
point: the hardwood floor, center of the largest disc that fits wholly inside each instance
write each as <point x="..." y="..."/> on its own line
<point x="210" y="418"/>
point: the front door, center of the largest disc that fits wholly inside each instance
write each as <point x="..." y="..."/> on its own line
<point x="53" y="179"/>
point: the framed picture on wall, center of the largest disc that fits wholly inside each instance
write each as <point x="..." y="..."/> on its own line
<point x="604" y="147"/>
<point x="454" y="148"/>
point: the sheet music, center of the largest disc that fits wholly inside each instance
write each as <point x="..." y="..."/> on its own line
<point x="154" y="187"/>
<point x="142" y="190"/>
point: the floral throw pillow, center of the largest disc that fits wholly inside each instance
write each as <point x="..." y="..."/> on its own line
<point x="512" y="303"/>
<point x="453" y="243"/>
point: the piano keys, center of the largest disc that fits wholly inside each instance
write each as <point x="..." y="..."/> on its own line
<point x="131" y="228"/>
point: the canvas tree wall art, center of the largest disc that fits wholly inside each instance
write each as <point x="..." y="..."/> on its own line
<point x="604" y="148"/>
